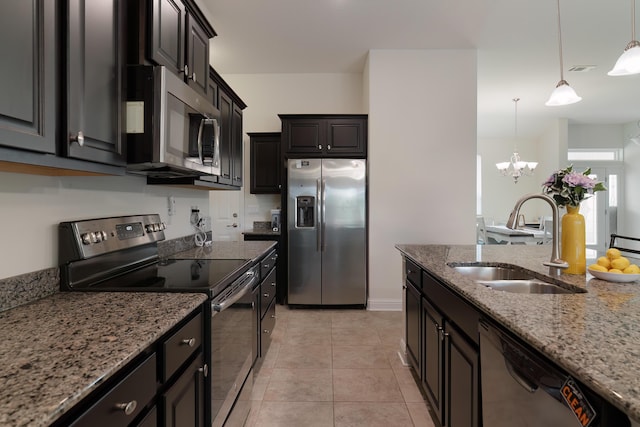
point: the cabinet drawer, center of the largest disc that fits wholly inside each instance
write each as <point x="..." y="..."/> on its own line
<point x="125" y="400"/>
<point x="413" y="273"/>
<point x="178" y="347"/>
<point x="268" y="291"/>
<point x="268" y="263"/>
<point x="463" y="315"/>
<point x="266" y="329"/>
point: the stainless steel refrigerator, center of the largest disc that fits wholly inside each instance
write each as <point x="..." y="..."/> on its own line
<point x="327" y="231"/>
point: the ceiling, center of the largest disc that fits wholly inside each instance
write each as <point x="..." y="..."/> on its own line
<point x="516" y="41"/>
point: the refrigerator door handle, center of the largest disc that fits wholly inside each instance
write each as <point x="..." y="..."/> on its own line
<point x="318" y="220"/>
<point x="324" y="187"/>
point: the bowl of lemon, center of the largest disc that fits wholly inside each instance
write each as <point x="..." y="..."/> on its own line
<point x="615" y="268"/>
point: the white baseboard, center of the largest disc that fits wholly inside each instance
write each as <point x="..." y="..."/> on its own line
<point x="384" y="305"/>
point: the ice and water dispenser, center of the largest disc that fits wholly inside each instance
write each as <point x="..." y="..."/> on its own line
<point x="305" y="211"/>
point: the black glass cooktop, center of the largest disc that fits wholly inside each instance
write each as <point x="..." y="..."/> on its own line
<point x="181" y="275"/>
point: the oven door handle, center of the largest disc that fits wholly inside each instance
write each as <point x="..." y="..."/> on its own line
<point x="223" y="305"/>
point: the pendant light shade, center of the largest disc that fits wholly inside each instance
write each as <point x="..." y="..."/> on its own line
<point x="563" y="94"/>
<point x="629" y="62"/>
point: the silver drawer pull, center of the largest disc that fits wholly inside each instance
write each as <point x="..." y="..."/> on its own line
<point x="79" y="138"/>
<point x="273" y="316"/>
<point x="273" y="284"/>
<point x="266" y="331"/>
<point x="128" y="407"/>
<point x="190" y="342"/>
<point x="266" y="266"/>
<point x="266" y="295"/>
<point x="204" y="370"/>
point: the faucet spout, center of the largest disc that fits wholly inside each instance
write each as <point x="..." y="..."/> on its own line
<point x="512" y="223"/>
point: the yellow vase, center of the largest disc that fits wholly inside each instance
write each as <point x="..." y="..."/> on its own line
<point x="573" y="249"/>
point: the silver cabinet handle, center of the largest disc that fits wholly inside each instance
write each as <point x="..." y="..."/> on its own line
<point x="328" y="146"/>
<point x="204" y="370"/>
<point x="266" y="331"/>
<point x="234" y="225"/>
<point x="273" y="316"/>
<point x="128" y="407"/>
<point x="185" y="70"/>
<point x="189" y="341"/>
<point x="193" y="77"/>
<point x="79" y="138"/>
<point x="266" y="295"/>
<point x="319" y="146"/>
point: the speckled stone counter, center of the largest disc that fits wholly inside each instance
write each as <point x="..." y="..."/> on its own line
<point x="252" y="250"/>
<point x="58" y="349"/>
<point x="595" y="335"/>
<point x="260" y="232"/>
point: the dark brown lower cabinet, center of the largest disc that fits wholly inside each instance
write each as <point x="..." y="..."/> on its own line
<point x="184" y="402"/>
<point x="442" y="348"/>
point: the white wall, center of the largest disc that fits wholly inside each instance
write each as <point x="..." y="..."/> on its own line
<point x="268" y="95"/>
<point x="31" y="206"/>
<point x="629" y="224"/>
<point x="595" y="136"/>
<point x="422" y="154"/>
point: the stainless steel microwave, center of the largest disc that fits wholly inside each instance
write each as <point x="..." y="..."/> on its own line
<point x="172" y="131"/>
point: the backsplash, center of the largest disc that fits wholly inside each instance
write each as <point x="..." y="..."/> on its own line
<point x="25" y="288"/>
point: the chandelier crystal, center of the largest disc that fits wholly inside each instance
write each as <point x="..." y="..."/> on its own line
<point x="516" y="167"/>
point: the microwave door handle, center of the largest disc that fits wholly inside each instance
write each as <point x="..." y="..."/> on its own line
<point x="216" y="143"/>
<point x="200" y="140"/>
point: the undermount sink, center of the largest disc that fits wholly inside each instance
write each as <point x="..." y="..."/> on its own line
<point x="485" y="272"/>
<point x="511" y="279"/>
<point x="525" y="287"/>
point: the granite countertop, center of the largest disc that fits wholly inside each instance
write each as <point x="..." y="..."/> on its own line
<point x="58" y="349"/>
<point x="251" y="250"/>
<point x="595" y="335"/>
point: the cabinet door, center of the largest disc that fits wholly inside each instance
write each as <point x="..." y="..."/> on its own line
<point x="94" y="81"/>
<point x="184" y="402"/>
<point x="413" y="327"/>
<point x="197" y="57"/>
<point x="303" y="136"/>
<point x="167" y="44"/>
<point x="433" y="357"/>
<point x="27" y="104"/>
<point x="346" y="137"/>
<point x="236" y="146"/>
<point x="462" y="378"/>
<point x="265" y="163"/>
<point x="226" y="116"/>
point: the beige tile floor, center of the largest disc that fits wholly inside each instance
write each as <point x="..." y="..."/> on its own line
<point x="336" y="368"/>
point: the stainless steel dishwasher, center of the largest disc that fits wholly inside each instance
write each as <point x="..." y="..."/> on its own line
<point x="521" y="387"/>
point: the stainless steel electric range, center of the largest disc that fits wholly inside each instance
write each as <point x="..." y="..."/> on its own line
<point x="121" y="254"/>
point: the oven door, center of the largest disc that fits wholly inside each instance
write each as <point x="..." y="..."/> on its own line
<point x="232" y="337"/>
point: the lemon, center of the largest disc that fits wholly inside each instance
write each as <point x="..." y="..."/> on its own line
<point x="598" y="267"/>
<point x="620" y="263"/>
<point x="615" y="270"/>
<point x="632" y="269"/>
<point x="604" y="262"/>
<point x="613" y="253"/>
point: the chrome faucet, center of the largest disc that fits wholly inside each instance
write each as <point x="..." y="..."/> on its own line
<point x="512" y="223"/>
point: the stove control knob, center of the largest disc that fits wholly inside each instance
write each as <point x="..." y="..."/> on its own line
<point x="104" y="235"/>
<point x="149" y="228"/>
<point x="155" y="227"/>
<point x="163" y="226"/>
<point x="86" y="239"/>
<point x="93" y="238"/>
<point x="98" y="236"/>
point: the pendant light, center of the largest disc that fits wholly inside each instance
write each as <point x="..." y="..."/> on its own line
<point x="563" y="94"/>
<point x="629" y="61"/>
<point x="516" y="167"/>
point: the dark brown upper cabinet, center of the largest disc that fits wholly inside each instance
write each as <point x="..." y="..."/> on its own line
<point x="264" y="153"/>
<point x="324" y="135"/>
<point x="28" y="87"/>
<point x="172" y="33"/>
<point x="94" y="81"/>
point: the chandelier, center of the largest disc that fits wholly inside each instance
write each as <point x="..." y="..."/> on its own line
<point x="516" y="167"/>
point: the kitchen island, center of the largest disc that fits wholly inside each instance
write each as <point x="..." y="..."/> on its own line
<point x="595" y="335"/>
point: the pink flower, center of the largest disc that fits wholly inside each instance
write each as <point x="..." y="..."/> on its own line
<point x="574" y="179"/>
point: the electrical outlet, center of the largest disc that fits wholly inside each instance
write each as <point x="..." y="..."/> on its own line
<point x="171" y="209"/>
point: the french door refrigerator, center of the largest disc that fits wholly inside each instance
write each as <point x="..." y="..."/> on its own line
<point x="327" y="231"/>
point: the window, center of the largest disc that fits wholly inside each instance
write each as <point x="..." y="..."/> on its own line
<point x="598" y="155"/>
